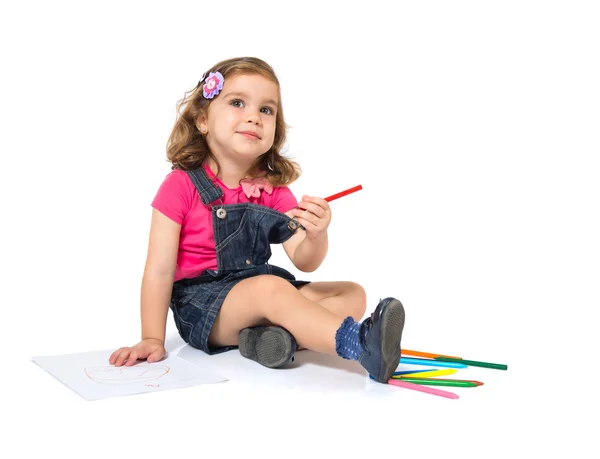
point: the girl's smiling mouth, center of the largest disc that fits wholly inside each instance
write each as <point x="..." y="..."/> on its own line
<point x="249" y="134"/>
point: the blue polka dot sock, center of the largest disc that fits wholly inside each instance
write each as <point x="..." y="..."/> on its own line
<point x="347" y="343"/>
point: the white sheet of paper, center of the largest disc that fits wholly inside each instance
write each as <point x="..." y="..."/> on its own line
<point x="91" y="376"/>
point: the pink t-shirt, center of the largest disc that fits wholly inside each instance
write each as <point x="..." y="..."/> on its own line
<point x="178" y="199"/>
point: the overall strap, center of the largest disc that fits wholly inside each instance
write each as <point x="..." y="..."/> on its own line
<point x="208" y="191"/>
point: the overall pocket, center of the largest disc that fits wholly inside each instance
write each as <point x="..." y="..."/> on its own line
<point x="183" y="327"/>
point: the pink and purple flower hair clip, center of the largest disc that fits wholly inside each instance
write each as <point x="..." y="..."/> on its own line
<point x="213" y="85"/>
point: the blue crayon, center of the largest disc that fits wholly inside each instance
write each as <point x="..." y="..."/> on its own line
<point x="432" y="363"/>
<point x="408" y="372"/>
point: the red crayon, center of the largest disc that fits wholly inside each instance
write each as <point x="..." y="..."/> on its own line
<point x="343" y="193"/>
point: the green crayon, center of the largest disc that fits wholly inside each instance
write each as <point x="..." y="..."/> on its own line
<point x="474" y="363"/>
<point x="438" y="382"/>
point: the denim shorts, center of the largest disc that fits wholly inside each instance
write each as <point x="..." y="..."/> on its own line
<point x="196" y="302"/>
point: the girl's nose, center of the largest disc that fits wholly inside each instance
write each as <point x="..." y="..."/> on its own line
<point x="254" y="117"/>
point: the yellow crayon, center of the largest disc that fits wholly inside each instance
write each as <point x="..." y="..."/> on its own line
<point x="427" y="374"/>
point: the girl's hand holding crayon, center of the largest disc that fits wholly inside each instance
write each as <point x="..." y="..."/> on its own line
<point x="314" y="215"/>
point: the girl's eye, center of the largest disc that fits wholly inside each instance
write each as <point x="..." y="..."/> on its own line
<point x="266" y="110"/>
<point x="237" y="103"/>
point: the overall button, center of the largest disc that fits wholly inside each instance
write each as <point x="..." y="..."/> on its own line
<point x="248" y="261"/>
<point x="292" y="224"/>
<point x="221" y="213"/>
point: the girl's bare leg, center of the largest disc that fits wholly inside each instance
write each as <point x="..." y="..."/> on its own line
<point x="268" y="299"/>
<point x="342" y="298"/>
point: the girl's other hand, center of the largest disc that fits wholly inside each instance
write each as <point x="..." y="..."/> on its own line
<point x="314" y="215"/>
<point x="150" y="349"/>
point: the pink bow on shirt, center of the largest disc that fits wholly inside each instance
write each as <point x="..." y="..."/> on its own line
<point x="252" y="187"/>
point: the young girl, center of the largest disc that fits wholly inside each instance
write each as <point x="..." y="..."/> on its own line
<point x="213" y="220"/>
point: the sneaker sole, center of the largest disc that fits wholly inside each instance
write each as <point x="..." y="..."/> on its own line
<point x="392" y="322"/>
<point x="271" y="348"/>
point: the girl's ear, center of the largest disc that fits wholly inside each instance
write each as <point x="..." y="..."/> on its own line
<point x="201" y="123"/>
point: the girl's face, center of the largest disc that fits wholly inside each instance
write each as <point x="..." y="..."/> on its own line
<point x="241" y="118"/>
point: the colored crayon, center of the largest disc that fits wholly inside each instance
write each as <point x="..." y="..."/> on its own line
<point x="425" y="354"/>
<point x="432" y="363"/>
<point x="438" y="382"/>
<point x="343" y="193"/>
<point x="477" y="383"/>
<point x="410" y="372"/>
<point x="429" y="373"/>
<point x="417" y="387"/>
<point x="474" y="363"/>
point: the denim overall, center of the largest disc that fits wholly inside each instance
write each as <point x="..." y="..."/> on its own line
<point x="243" y="234"/>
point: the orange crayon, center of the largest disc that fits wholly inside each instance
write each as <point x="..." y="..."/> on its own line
<point x="426" y="354"/>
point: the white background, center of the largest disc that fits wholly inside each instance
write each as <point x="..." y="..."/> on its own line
<point x="473" y="128"/>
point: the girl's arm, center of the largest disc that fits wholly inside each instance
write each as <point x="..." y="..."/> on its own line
<point x="307" y="248"/>
<point x="157" y="284"/>
<point x="306" y="254"/>
<point x="159" y="271"/>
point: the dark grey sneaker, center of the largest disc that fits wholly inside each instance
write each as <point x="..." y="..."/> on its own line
<point x="380" y="336"/>
<point x="272" y="346"/>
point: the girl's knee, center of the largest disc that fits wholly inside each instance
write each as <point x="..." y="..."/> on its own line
<point x="272" y="285"/>
<point x="358" y="300"/>
<point x="268" y="291"/>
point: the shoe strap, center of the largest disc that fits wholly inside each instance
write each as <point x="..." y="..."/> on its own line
<point x="365" y="326"/>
